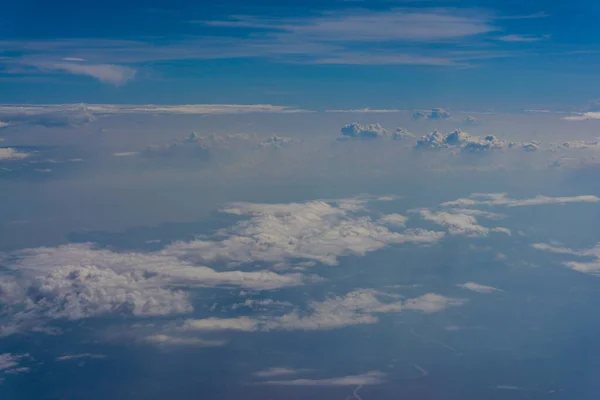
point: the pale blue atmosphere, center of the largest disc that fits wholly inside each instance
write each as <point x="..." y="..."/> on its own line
<point x="352" y="200"/>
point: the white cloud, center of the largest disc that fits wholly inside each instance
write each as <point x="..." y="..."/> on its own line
<point x="476" y="287"/>
<point x="276" y="371"/>
<point x="459" y="139"/>
<point x="69" y="357"/>
<point x="501" y="199"/>
<point x="126" y="154"/>
<point x="10" y="364"/>
<point x="7" y="153"/>
<point x="200" y="147"/>
<point x="393" y="220"/>
<point x="2" y="125"/>
<point x="167" y="340"/>
<point x="317" y="230"/>
<point x="592" y="266"/>
<point x="357" y="131"/>
<point x="105" y="73"/>
<point x="368" y="378"/>
<point x="355" y="308"/>
<point x="584" y="116"/>
<point x="459" y="223"/>
<point x="434" y="114"/>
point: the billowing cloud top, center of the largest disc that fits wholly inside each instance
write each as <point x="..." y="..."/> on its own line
<point x="461" y="140"/>
<point x="434" y="114"/>
<point x="358" y="131"/>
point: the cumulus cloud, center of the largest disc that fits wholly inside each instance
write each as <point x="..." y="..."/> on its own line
<point x="460" y="223"/>
<point x="476" y="287"/>
<point x="434" y="114"/>
<point x="8" y="153"/>
<point x="318" y="231"/>
<point x="393" y="220"/>
<point x="358" y="131"/>
<point x="47" y="115"/>
<point x="589" y="262"/>
<point x="368" y="378"/>
<point x="78" y="281"/>
<point x="501" y="199"/>
<point x="459" y="139"/>
<point x="355" y="308"/>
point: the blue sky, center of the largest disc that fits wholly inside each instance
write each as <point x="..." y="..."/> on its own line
<point x="505" y="55"/>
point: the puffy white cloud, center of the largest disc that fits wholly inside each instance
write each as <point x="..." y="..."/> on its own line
<point x="355" y="308"/>
<point x="501" y="199"/>
<point x="358" y="131"/>
<point x="167" y="340"/>
<point x="459" y="139"/>
<point x="393" y="220"/>
<point x="2" y="125"/>
<point x="77" y="281"/>
<point x="459" y="223"/>
<point x="8" y="153"/>
<point x="317" y="230"/>
<point x="368" y="378"/>
<point x="476" y="287"/>
<point x="434" y="114"/>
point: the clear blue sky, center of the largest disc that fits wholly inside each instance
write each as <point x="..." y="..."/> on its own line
<point x="471" y="54"/>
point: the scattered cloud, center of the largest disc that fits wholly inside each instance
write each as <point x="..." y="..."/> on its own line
<point x="459" y="139"/>
<point x="366" y="110"/>
<point x="471" y="121"/>
<point x="434" y="114"/>
<point x="126" y="154"/>
<point x="318" y="231"/>
<point x="591" y="266"/>
<point x="198" y="146"/>
<point x="69" y="357"/>
<point x="8" y="153"/>
<point x="357" y="131"/>
<point x="105" y="73"/>
<point x="368" y="378"/>
<point x="277" y="371"/>
<point x="459" y="223"/>
<point x="355" y="308"/>
<point x="167" y="340"/>
<point x="476" y="287"/>
<point x="522" y="38"/>
<point x="501" y="199"/>
<point x="393" y="220"/>
<point x="10" y="364"/>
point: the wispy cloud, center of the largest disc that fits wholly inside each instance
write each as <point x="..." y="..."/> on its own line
<point x="368" y="378"/>
<point x="522" y="38"/>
